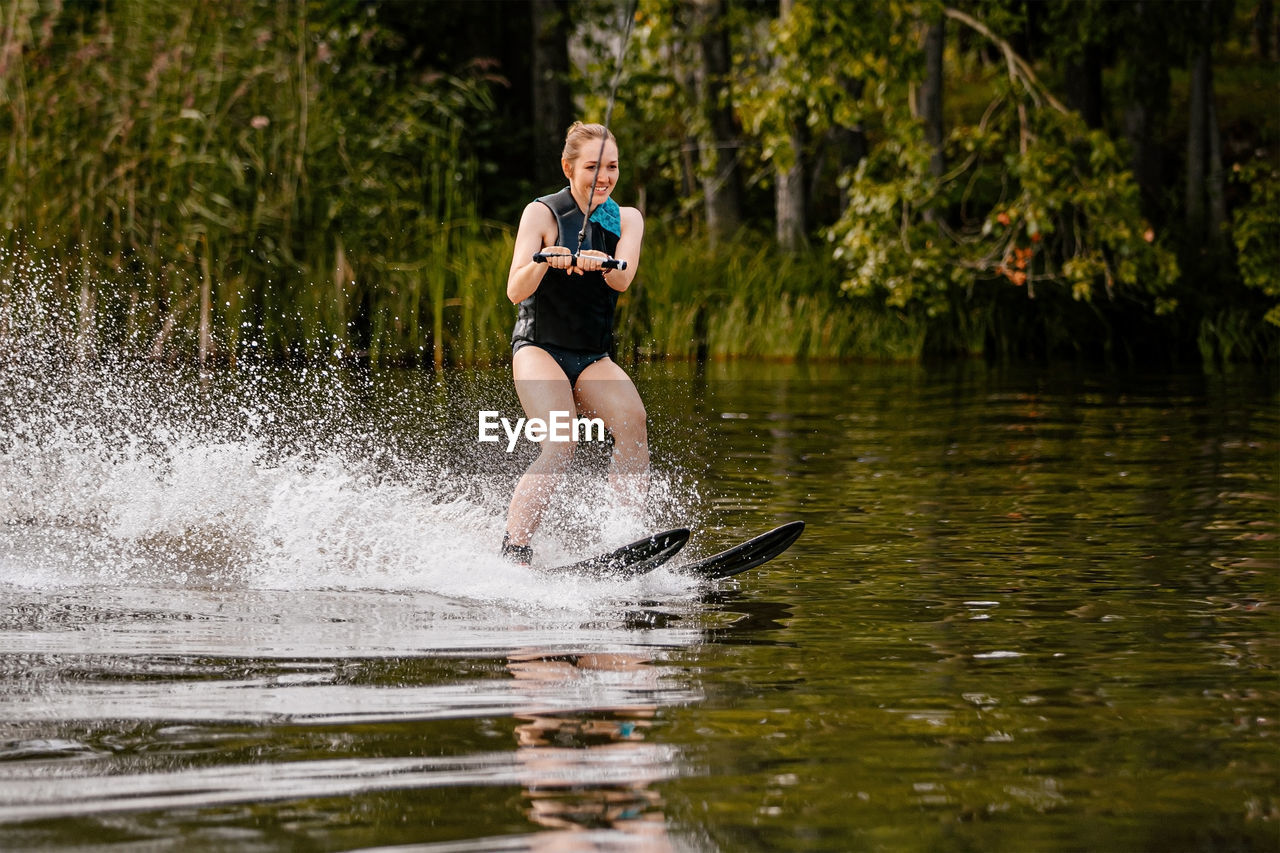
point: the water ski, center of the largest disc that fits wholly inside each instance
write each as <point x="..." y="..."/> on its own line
<point x="633" y="560"/>
<point x="645" y="555"/>
<point x="748" y="555"/>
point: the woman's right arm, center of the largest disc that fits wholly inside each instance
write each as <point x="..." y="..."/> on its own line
<point x="536" y="223"/>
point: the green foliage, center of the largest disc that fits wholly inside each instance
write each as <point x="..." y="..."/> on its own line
<point x="1256" y="231"/>
<point x="1031" y="199"/>
<point x="807" y="68"/>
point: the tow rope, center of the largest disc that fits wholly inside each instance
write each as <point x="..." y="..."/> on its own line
<point x="608" y="116"/>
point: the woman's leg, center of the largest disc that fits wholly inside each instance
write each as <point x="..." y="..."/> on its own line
<point x="605" y="391"/>
<point x="543" y="388"/>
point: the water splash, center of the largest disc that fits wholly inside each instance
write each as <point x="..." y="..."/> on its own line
<point x="120" y="470"/>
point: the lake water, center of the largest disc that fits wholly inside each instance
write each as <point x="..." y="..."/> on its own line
<point x="261" y="610"/>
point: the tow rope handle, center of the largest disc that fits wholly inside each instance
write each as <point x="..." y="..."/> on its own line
<point x="609" y="263"/>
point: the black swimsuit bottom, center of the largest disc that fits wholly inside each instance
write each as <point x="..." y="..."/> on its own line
<point x="571" y="362"/>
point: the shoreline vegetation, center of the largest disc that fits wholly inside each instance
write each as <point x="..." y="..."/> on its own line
<point x="308" y="180"/>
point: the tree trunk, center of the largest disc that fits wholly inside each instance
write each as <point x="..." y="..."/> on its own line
<point x="551" y="99"/>
<point x="931" y="96"/>
<point x="1215" y="179"/>
<point x="1206" y="183"/>
<point x="1197" y="142"/>
<point x="789" y="188"/>
<point x="1146" y="88"/>
<point x="719" y="153"/>
<point x="789" y="197"/>
<point x="1084" y="87"/>
<point x="1263" y="29"/>
<point x="685" y="71"/>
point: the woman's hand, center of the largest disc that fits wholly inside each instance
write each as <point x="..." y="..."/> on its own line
<point x="590" y="261"/>
<point x="558" y="257"/>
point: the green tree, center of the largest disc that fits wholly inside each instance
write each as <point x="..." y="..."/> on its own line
<point x="809" y="89"/>
<point x="1035" y="200"/>
<point x="1256" y="231"/>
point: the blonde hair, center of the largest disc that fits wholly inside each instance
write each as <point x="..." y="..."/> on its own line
<point x="580" y="134"/>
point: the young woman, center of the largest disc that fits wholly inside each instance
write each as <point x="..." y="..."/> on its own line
<point x="564" y="330"/>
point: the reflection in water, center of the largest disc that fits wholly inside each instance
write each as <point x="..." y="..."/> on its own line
<point x="733" y="618"/>
<point x="235" y="705"/>
<point x="551" y="743"/>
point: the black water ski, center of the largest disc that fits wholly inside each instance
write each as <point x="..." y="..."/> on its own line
<point x="629" y="561"/>
<point x="748" y="555"/>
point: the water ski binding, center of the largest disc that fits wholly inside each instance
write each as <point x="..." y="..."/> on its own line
<point x="629" y="561"/>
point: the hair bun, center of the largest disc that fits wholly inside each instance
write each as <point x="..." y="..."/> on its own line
<point x="578" y="134"/>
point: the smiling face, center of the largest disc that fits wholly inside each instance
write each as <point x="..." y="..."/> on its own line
<point x="589" y="189"/>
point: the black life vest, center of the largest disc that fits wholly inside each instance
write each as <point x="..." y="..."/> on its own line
<point x="573" y="312"/>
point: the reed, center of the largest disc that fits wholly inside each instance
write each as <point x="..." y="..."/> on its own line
<point x="1236" y="334"/>
<point x="692" y="300"/>
<point x="205" y="179"/>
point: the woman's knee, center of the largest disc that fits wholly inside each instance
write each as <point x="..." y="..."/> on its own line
<point x="631" y="424"/>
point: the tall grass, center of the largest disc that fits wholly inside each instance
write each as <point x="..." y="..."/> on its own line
<point x="201" y="178"/>
<point x="691" y="300"/>
<point x="1236" y="334"/>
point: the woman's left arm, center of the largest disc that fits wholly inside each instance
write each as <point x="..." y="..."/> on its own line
<point x="628" y="249"/>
